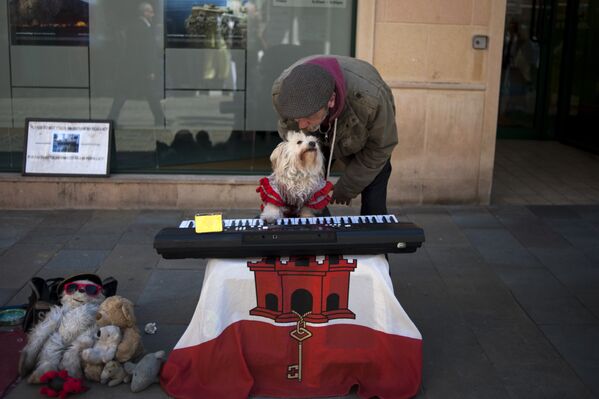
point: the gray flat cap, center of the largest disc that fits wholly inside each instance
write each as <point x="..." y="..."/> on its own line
<point x="306" y="90"/>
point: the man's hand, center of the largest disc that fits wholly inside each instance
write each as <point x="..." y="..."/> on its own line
<point x="340" y="199"/>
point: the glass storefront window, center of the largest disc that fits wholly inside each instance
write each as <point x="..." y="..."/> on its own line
<point x="187" y="82"/>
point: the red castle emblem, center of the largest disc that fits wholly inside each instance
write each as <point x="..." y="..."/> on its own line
<point x="315" y="286"/>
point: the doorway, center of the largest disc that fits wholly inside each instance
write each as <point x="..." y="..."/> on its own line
<point x="579" y="89"/>
<point x="550" y="74"/>
<point x="522" y="69"/>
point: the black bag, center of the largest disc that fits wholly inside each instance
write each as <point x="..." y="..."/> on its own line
<point x="109" y="285"/>
<point x="44" y="295"/>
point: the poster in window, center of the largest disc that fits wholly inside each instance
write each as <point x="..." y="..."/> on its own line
<point x="49" y="22"/>
<point x="207" y="25"/>
<point x="67" y="147"/>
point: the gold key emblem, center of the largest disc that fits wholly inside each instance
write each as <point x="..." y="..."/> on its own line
<point x="300" y="334"/>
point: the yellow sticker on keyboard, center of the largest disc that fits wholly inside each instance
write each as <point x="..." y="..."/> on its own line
<point x="209" y="223"/>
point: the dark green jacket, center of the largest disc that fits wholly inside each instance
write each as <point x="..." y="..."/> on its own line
<point x="366" y="128"/>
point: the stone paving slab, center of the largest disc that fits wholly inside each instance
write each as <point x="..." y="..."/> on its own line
<point x="16" y="224"/>
<point x="440" y="230"/>
<point x="506" y="297"/>
<point x="131" y="265"/>
<point x="454" y="362"/>
<point x="81" y="259"/>
<point x="555" y="212"/>
<point x="6" y="294"/>
<point x="169" y="290"/>
<point x="468" y="217"/>
<point x="578" y="346"/>
<point x="571" y="267"/>
<point x="22" y="261"/>
<point x="93" y="241"/>
<point x="500" y="246"/>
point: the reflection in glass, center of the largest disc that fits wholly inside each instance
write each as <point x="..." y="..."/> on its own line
<point x="213" y="24"/>
<point x="212" y="151"/>
<point x="49" y="22"/>
<point x="138" y="76"/>
<point x="581" y="97"/>
<point x="187" y="83"/>
<point x="519" y="67"/>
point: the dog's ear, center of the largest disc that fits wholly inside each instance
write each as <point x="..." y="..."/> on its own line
<point x="276" y="154"/>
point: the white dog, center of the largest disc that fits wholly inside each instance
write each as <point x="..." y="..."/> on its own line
<point x="297" y="186"/>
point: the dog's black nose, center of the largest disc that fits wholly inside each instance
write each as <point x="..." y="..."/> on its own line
<point x="312" y="143"/>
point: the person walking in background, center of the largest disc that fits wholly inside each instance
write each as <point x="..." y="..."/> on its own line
<point x="137" y="77"/>
<point x="345" y="102"/>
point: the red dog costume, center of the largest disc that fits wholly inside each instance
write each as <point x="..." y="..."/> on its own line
<point x="317" y="201"/>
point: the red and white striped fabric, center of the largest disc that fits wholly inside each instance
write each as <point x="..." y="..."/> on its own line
<point x="358" y="332"/>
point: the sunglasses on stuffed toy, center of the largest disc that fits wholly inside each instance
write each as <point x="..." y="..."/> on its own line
<point x="90" y="289"/>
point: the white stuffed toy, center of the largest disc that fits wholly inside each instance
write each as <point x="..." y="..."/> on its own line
<point x="114" y="373"/>
<point x="105" y="347"/>
<point x="56" y="342"/>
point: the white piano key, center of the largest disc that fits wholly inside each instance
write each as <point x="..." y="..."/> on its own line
<point x="339" y="221"/>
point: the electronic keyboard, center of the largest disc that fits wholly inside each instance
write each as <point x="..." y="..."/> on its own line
<point x="333" y="235"/>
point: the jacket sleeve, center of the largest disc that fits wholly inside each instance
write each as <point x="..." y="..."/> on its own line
<point x="381" y="138"/>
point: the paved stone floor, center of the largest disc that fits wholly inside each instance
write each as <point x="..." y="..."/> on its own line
<point x="506" y="297"/>
<point x="544" y="172"/>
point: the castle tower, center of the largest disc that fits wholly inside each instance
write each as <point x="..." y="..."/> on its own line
<point x="319" y="285"/>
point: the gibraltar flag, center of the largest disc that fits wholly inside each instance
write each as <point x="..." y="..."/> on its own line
<point x="296" y="327"/>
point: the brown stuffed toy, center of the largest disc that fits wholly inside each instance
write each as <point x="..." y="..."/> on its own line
<point x="118" y="311"/>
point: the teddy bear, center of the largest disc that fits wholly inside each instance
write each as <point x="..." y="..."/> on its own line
<point x="57" y="341"/>
<point x="114" y="373"/>
<point x="104" y="349"/>
<point x="117" y="311"/>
